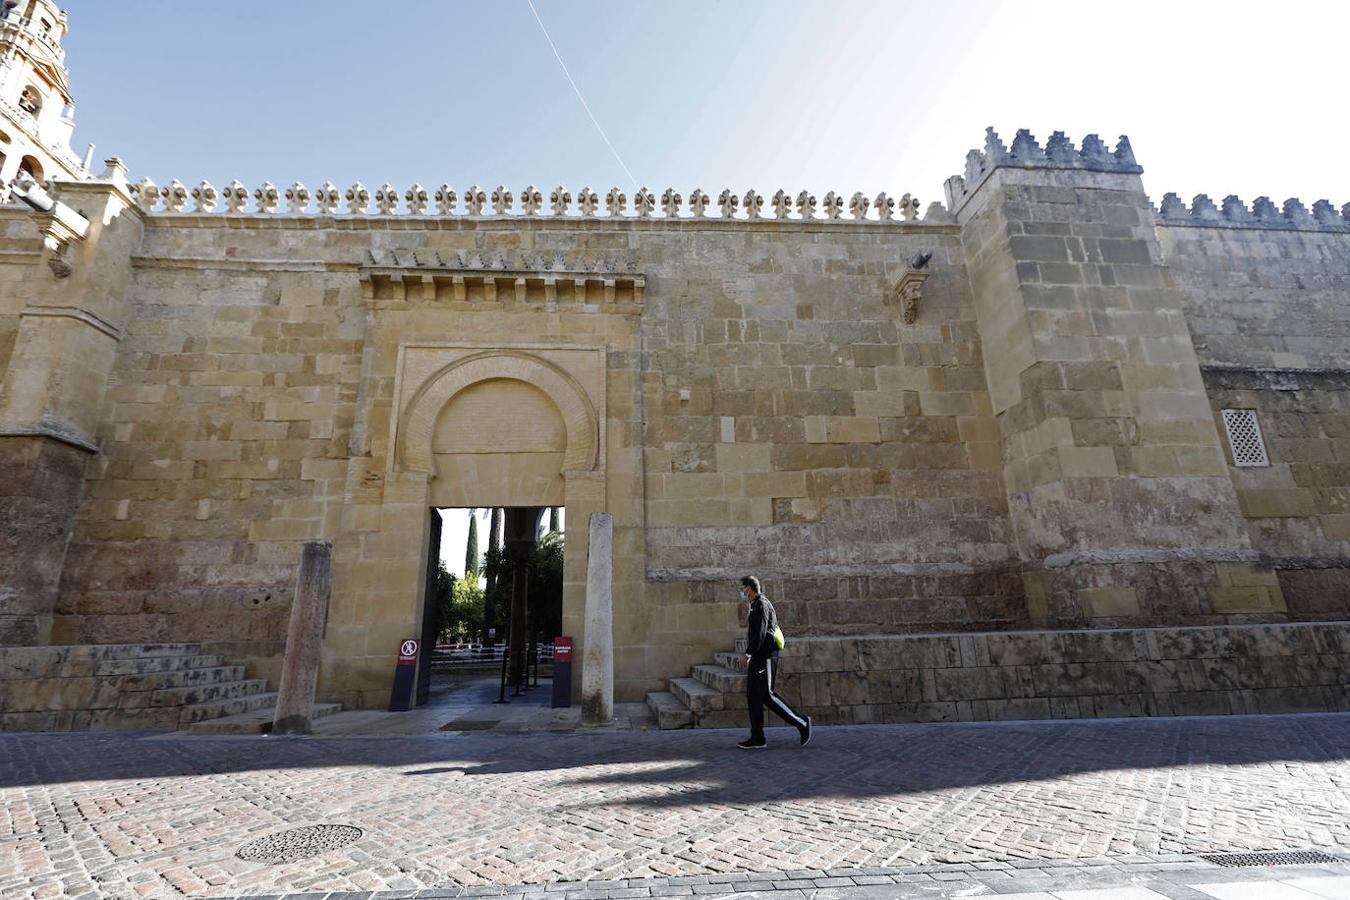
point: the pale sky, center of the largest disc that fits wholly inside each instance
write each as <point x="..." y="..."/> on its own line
<point x="843" y="95"/>
<point x="455" y="535"/>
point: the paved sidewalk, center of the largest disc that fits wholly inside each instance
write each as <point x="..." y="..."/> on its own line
<point x="1126" y="878"/>
<point x="118" y="815"/>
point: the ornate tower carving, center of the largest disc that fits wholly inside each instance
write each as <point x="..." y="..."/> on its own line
<point x="37" y="114"/>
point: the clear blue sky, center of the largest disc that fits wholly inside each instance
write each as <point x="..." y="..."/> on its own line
<point x="846" y="95"/>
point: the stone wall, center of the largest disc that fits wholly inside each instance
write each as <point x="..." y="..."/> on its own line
<point x="1298" y="507"/>
<point x="1218" y="670"/>
<point x="1023" y="436"/>
<point x="1116" y="482"/>
<point x="1267" y="294"/>
<point x="1274" y="296"/>
<point x="788" y="424"/>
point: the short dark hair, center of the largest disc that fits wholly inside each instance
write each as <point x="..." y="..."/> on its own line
<point x="751" y="581"/>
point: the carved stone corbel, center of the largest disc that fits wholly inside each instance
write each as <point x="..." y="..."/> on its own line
<point x="59" y="224"/>
<point x="907" y="294"/>
<point x="909" y="290"/>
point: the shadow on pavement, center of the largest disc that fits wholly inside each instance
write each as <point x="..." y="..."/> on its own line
<point x="672" y="769"/>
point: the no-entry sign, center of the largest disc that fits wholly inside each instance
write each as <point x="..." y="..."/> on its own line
<point x="405" y="676"/>
<point x="407" y="653"/>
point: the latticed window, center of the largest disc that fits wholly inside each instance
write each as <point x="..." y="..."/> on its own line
<point x="1244" y="438"/>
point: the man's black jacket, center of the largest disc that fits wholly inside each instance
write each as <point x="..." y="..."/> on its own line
<point x="759" y="633"/>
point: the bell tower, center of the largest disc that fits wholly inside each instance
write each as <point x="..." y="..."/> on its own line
<point x="37" y="114"/>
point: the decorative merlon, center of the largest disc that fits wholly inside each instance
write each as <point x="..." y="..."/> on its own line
<point x="607" y="281"/>
<point x="1263" y="213"/>
<point x="476" y="202"/>
<point x="1025" y="153"/>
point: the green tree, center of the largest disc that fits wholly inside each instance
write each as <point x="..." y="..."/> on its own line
<point x="445" y="598"/>
<point x="471" y="551"/>
<point x="546" y="587"/>
<point x="468" y="611"/>
<point x="553" y="519"/>
<point x="459" y="607"/>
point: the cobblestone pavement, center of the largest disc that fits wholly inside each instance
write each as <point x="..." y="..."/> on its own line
<point x="126" y="816"/>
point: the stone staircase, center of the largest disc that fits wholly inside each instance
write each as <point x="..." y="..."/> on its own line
<point x="712" y="697"/>
<point x="99" y="687"/>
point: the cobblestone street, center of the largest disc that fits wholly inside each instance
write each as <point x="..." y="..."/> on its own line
<point x="118" y="815"/>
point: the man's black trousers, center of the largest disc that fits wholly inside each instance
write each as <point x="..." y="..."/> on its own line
<point x="759" y="694"/>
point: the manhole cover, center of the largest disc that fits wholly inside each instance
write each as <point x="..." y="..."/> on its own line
<point x="1274" y="858"/>
<point x="298" y="843"/>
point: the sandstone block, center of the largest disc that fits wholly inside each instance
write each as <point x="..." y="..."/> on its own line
<point x="1109" y="602"/>
<point x="1246" y="599"/>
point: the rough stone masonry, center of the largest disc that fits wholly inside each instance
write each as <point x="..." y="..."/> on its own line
<point x="1048" y="423"/>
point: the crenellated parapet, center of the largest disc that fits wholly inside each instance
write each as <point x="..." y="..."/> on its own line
<point x="1026" y="153"/>
<point x="1292" y="215"/>
<point x="501" y="203"/>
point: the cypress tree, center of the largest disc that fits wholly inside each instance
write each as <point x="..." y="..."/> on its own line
<point x="471" y="552"/>
<point x="553" y="518"/>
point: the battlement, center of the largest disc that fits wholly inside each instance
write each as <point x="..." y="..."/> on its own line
<point x="1263" y="213"/>
<point x="1025" y="153"/>
<point x="328" y="200"/>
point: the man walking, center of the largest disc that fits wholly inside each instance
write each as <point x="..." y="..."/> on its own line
<point x="761" y="657"/>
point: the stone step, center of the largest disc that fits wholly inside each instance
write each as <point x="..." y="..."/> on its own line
<point x="193" y="694"/>
<point x="721" y="678"/>
<point x="724" y="718"/>
<point x="182" y="678"/>
<point x="153" y="664"/>
<point x="216" y="709"/>
<point x="669" y="711"/>
<point x="732" y="661"/>
<point x="257" y="721"/>
<point x="696" y="695"/>
<point x="143" y="651"/>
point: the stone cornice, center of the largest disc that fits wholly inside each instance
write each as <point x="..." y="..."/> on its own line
<point x="74" y="438"/>
<point x="592" y="280"/>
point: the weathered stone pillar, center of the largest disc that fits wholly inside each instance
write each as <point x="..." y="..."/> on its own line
<point x="304" y="639"/>
<point x="597" y="660"/>
<point x="1117" y="483"/>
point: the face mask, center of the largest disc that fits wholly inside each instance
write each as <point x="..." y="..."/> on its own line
<point x="745" y="598"/>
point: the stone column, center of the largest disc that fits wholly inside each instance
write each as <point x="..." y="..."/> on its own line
<point x="304" y="640"/>
<point x="597" y="660"/>
<point x="1117" y="483"/>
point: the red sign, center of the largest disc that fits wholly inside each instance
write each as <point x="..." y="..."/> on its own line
<point x="562" y="649"/>
<point x="407" y="653"/>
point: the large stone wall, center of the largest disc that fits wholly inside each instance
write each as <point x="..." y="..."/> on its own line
<point x="1032" y="443"/>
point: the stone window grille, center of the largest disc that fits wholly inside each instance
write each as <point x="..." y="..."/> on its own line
<point x="1244" y="438"/>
